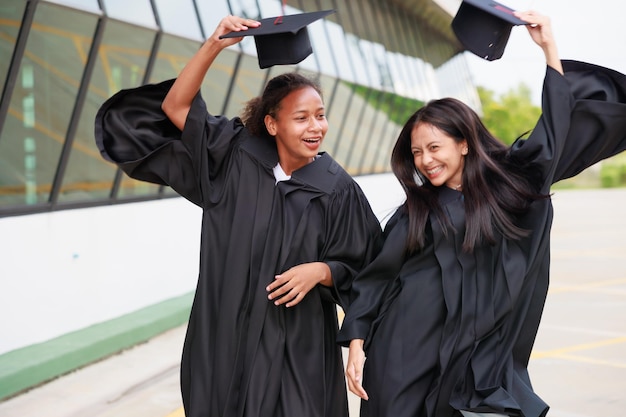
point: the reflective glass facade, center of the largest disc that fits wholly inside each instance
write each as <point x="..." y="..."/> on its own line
<point x="60" y="60"/>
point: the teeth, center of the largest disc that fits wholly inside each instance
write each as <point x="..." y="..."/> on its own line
<point x="433" y="171"/>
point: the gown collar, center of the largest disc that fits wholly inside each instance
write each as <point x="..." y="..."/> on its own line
<point x="322" y="174"/>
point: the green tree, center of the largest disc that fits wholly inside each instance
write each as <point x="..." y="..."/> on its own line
<point x="509" y="115"/>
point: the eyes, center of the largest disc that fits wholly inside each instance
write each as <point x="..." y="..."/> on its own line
<point x="303" y="118"/>
<point x="431" y="148"/>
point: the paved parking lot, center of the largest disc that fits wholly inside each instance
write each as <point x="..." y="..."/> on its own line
<point x="579" y="360"/>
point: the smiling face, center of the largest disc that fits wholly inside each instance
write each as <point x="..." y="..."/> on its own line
<point x="438" y="156"/>
<point x="299" y="127"/>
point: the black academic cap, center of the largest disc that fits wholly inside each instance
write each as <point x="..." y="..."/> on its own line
<point x="484" y="27"/>
<point x="282" y="40"/>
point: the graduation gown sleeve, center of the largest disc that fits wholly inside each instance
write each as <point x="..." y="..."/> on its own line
<point x="583" y="121"/>
<point x="132" y="131"/>
<point x="352" y="241"/>
<point x="376" y="285"/>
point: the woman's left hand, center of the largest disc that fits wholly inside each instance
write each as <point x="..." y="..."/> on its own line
<point x="291" y="286"/>
<point x="540" y="30"/>
<point x="539" y="26"/>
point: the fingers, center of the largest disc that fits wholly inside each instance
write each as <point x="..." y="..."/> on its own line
<point x="232" y="24"/>
<point x="284" y="290"/>
<point x="540" y="29"/>
<point x="528" y="15"/>
<point x="290" y="287"/>
<point x="533" y="18"/>
<point x="279" y="287"/>
<point x="236" y="23"/>
<point x="293" y="302"/>
<point x="354" y="376"/>
<point x="354" y="368"/>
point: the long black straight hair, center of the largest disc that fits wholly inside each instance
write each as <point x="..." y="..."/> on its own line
<point x="496" y="188"/>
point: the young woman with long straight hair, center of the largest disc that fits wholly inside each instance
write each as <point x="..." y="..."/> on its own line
<point x="448" y="312"/>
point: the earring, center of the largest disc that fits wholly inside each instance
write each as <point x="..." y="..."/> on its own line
<point x="464" y="152"/>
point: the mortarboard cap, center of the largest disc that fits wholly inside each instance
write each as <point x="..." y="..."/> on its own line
<point x="484" y="27"/>
<point x="282" y="40"/>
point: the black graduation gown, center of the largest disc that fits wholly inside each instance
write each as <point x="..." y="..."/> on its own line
<point x="244" y="356"/>
<point x="447" y="330"/>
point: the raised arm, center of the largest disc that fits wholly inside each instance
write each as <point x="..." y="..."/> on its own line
<point x="540" y="30"/>
<point x="177" y="103"/>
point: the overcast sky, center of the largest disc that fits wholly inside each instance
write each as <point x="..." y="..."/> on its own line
<point x="591" y="31"/>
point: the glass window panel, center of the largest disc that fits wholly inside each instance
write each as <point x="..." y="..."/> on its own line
<point x="320" y="46"/>
<point x="138" y="12"/>
<point x="336" y="119"/>
<point x="309" y="63"/>
<point x="431" y="86"/>
<point x="121" y="63"/>
<point x="349" y="128"/>
<point x="370" y="133"/>
<point x="172" y="56"/>
<point x="130" y="187"/>
<point x="10" y="19"/>
<point x="323" y="49"/>
<point x="87" y="5"/>
<point x="388" y="139"/>
<point x="179" y="18"/>
<point x="406" y="64"/>
<point x="344" y="16"/>
<point x="408" y="78"/>
<point x="211" y="12"/>
<point x="386" y="150"/>
<point x="248" y="47"/>
<point x="273" y="8"/>
<point x="340" y="52"/>
<point x="245" y="8"/>
<point x="367" y="62"/>
<point x="382" y="66"/>
<point x="217" y="81"/>
<point x="248" y="84"/>
<point x="379" y="140"/>
<point x="368" y="162"/>
<point x="42" y="102"/>
<point x="167" y="191"/>
<point x="357" y="60"/>
<point x="396" y="72"/>
<point x="363" y="124"/>
<point x="418" y="89"/>
<point x="328" y="84"/>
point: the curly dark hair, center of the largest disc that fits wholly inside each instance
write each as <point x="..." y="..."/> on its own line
<point x="255" y="110"/>
<point x="497" y="189"/>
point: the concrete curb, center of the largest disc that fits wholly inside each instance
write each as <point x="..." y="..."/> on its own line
<point x="32" y="365"/>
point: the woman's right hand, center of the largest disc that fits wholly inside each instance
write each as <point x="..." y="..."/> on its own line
<point x="177" y="102"/>
<point x="229" y="24"/>
<point x="354" y="368"/>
